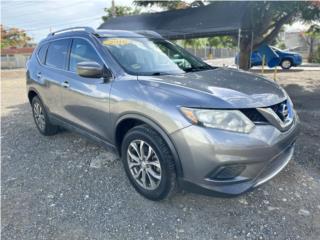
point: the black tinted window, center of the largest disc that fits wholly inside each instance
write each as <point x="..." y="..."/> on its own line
<point x="82" y="51"/>
<point x="57" y="53"/>
<point x="42" y="53"/>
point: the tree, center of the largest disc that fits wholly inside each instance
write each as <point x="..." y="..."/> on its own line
<point x="120" y="11"/>
<point x="266" y="19"/>
<point x="222" y="42"/>
<point x="317" y="55"/>
<point x="311" y="36"/>
<point x="166" y="5"/>
<point x="13" y="37"/>
<point x="194" y="43"/>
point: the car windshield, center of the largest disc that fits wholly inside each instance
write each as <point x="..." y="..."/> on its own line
<point x="276" y="49"/>
<point x="151" y="56"/>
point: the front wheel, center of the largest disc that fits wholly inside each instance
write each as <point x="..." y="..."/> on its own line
<point x="286" y="64"/>
<point x="148" y="163"/>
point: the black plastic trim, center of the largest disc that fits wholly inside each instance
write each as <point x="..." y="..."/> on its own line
<point x="162" y="132"/>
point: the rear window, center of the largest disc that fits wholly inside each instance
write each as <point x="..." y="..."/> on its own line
<point x="57" y="53"/>
<point x="42" y="53"/>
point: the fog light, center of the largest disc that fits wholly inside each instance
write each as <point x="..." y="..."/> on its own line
<point x="228" y="172"/>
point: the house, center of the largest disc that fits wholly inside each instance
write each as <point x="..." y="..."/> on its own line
<point x="297" y="42"/>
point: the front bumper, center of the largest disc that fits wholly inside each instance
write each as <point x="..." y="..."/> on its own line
<point x="203" y="151"/>
<point x="297" y="61"/>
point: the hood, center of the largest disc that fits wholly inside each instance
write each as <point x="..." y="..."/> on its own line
<point x="290" y="53"/>
<point x="236" y="88"/>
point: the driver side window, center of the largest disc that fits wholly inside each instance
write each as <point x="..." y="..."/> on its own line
<point x="174" y="56"/>
<point x="82" y="51"/>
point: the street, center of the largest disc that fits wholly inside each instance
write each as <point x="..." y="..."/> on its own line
<point x="66" y="187"/>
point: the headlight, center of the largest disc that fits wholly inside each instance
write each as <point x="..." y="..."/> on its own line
<point x="232" y="120"/>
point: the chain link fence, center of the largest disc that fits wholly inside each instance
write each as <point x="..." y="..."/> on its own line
<point x="211" y="52"/>
<point x="14" y="61"/>
<point x="20" y="60"/>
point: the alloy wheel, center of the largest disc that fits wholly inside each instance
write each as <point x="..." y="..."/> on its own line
<point x="286" y="64"/>
<point x="39" y="116"/>
<point x="144" y="164"/>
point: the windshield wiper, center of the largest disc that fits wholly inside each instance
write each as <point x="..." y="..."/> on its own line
<point x="195" y="69"/>
<point x="159" y="73"/>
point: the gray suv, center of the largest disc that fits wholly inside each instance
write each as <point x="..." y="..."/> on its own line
<point x="173" y="119"/>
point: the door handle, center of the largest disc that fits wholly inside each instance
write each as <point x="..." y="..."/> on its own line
<point x="65" y="84"/>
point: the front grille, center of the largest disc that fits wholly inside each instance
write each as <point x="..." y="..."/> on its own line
<point x="254" y="115"/>
<point x="276" y="109"/>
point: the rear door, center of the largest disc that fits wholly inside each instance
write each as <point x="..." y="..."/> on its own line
<point x="85" y="101"/>
<point x="53" y="73"/>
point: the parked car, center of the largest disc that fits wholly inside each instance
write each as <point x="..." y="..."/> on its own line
<point x="286" y="59"/>
<point x="206" y="129"/>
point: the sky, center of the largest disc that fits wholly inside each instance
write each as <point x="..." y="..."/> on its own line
<point x="39" y="17"/>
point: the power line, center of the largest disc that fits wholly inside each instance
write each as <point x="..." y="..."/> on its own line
<point x="18" y="4"/>
<point x="62" y="25"/>
<point x="49" y="10"/>
<point x="69" y="22"/>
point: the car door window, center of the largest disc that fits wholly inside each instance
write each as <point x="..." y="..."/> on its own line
<point x="82" y="51"/>
<point x="57" y="53"/>
<point x="42" y="53"/>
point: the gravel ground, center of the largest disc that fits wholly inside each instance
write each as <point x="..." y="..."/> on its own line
<point x="65" y="187"/>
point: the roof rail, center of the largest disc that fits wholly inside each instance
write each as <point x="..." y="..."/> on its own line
<point x="86" y="29"/>
<point x="149" y="33"/>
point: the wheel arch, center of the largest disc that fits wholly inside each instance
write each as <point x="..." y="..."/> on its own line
<point x="137" y="119"/>
<point x="287" y="58"/>
<point x="32" y="92"/>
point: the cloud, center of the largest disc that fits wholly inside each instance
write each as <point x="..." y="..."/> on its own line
<point x="37" y="17"/>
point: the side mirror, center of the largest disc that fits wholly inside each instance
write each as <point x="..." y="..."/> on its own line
<point x="90" y="69"/>
<point x="106" y="74"/>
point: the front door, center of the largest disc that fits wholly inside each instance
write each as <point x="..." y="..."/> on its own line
<point x="85" y="101"/>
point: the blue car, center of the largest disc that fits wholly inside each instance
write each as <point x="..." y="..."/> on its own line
<point x="283" y="58"/>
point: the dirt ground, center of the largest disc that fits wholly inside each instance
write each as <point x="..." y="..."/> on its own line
<point x="64" y="187"/>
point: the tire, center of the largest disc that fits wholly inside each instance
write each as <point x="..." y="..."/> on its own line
<point x="151" y="188"/>
<point x="41" y="119"/>
<point x="286" y="64"/>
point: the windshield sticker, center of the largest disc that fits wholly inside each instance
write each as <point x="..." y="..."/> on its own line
<point x="116" y="41"/>
<point x="136" y="66"/>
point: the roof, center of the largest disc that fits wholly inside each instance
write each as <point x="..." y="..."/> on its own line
<point x="218" y="18"/>
<point x="12" y="51"/>
<point x="117" y="33"/>
<point x="123" y="33"/>
<point x="82" y="31"/>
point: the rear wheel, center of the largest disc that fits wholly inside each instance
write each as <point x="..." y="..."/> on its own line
<point x="148" y="163"/>
<point x="41" y="119"/>
<point x="286" y="64"/>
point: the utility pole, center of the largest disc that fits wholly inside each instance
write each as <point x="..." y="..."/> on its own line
<point x="113" y="6"/>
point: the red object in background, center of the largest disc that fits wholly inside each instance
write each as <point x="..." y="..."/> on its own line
<point x="12" y="51"/>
